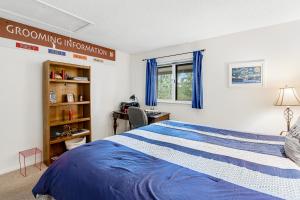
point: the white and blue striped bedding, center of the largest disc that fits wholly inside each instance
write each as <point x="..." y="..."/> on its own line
<point x="176" y="160"/>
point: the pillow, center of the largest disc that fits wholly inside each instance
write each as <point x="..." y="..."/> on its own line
<point x="292" y="143"/>
<point x="295" y="129"/>
<point x="292" y="148"/>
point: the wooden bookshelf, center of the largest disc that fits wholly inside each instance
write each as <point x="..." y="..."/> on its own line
<point x="57" y="114"/>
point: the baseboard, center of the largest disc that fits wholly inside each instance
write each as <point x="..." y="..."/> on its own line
<point x="10" y="169"/>
<point x="14" y="168"/>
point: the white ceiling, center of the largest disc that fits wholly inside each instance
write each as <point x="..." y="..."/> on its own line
<point x="141" y="25"/>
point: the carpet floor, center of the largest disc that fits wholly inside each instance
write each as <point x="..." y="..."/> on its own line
<point x="14" y="186"/>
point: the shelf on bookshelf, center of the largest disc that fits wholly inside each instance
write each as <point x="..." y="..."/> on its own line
<point x="68" y="81"/>
<point x="57" y="123"/>
<point x="64" y="138"/>
<point x="69" y="103"/>
<point x="68" y="65"/>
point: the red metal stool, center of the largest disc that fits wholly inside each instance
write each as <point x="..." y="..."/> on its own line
<point x="28" y="153"/>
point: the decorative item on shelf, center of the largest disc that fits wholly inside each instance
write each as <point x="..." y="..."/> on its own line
<point x="245" y="74"/>
<point x="287" y="97"/>
<point x="70" y="77"/>
<point x="63" y="74"/>
<point x="52" y="74"/>
<point x="80" y="98"/>
<point x="67" y="130"/>
<point x="52" y="96"/>
<point x="70" y="114"/>
<point x="58" y="76"/>
<point x="70" y="98"/>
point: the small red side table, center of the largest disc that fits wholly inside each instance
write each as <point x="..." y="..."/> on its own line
<point x="28" y="153"/>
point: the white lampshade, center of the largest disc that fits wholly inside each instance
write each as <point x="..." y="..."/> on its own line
<point x="287" y="97"/>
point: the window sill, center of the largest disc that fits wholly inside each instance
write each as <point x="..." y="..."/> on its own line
<point x="175" y="102"/>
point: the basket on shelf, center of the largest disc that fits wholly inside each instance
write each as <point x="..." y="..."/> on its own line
<point x="76" y="142"/>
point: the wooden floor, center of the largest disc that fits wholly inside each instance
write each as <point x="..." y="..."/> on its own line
<point x="13" y="186"/>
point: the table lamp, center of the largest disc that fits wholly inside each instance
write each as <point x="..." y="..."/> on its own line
<point x="287" y="97"/>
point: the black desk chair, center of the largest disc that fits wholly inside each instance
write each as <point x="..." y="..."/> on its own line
<point x="137" y="117"/>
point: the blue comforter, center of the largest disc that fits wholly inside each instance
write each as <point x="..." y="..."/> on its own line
<point x="176" y="161"/>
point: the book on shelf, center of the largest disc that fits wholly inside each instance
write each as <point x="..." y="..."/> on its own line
<point x="81" y="131"/>
<point x="80" y="78"/>
<point x="73" y="133"/>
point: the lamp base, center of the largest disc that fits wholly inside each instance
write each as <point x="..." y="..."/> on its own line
<point x="288" y="115"/>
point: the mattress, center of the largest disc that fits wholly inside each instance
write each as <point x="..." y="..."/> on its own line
<point x="174" y="160"/>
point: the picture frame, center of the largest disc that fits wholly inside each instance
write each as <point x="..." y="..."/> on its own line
<point x="247" y="74"/>
<point x="52" y="96"/>
<point x="70" y="98"/>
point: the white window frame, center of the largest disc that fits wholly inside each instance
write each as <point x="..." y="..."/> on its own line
<point x="173" y="100"/>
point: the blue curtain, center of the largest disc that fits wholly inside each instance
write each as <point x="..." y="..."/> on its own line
<point x="197" y="87"/>
<point x="151" y="73"/>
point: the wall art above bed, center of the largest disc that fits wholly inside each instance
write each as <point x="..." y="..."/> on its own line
<point x="246" y="74"/>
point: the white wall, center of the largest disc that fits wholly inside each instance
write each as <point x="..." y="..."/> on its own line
<point x="21" y="99"/>
<point x="245" y="109"/>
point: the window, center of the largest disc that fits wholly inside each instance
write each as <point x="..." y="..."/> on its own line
<point x="164" y="82"/>
<point x="184" y="76"/>
<point x="174" y="82"/>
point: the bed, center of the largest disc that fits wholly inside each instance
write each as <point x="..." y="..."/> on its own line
<point x="174" y="160"/>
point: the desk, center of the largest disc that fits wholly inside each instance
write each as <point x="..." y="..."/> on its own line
<point x="151" y="119"/>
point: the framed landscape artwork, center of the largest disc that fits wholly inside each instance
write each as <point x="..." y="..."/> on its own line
<point x="244" y="74"/>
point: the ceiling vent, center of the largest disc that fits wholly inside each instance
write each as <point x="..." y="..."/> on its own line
<point x="44" y="13"/>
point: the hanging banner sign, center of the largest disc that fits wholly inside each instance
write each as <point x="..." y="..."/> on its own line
<point x="21" y="32"/>
<point x="27" y="46"/>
